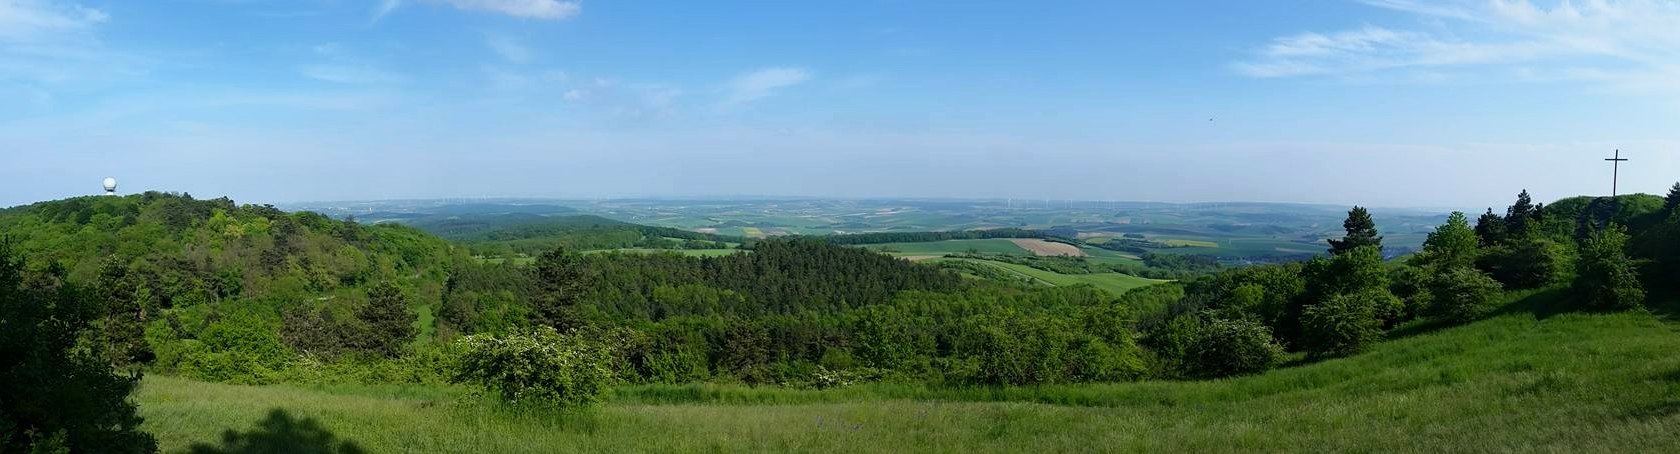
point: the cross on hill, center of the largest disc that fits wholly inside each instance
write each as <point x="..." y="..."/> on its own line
<point x="1615" y="170"/>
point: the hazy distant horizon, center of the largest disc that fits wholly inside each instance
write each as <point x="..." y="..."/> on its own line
<point x="1018" y="203"/>
<point x="1022" y="202"/>
<point x="1369" y="102"/>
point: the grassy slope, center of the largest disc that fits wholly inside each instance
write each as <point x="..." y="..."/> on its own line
<point x="1115" y="283"/>
<point x="1569" y="382"/>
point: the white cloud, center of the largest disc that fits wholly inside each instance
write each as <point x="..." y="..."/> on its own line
<point x="1626" y="43"/>
<point x="533" y="9"/>
<point x="385" y="7"/>
<point x="508" y="48"/>
<point x="46" y="46"/>
<point x="760" y="84"/>
<point x="31" y="20"/>
<point x="348" y="74"/>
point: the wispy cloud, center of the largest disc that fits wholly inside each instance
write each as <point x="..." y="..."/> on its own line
<point x="508" y="48"/>
<point x="763" y="83"/>
<point x="348" y="74"/>
<point x="31" y="20"/>
<point x="531" y="9"/>
<point x="45" y="46"/>
<point x="341" y="65"/>
<point x="384" y="8"/>
<point x="1624" y="43"/>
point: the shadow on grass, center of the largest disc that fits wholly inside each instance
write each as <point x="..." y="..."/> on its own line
<point x="1663" y="302"/>
<point x="1543" y="304"/>
<point x="280" y="433"/>
<point x="1654" y="411"/>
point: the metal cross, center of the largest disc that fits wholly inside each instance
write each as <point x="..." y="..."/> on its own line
<point x="1615" y="170"/>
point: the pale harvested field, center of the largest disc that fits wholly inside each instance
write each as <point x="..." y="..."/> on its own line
<point x="918" y="258"/>
<point x="1047" y="248"/>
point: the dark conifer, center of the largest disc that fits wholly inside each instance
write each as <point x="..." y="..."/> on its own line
<point x="1361" y="232"/>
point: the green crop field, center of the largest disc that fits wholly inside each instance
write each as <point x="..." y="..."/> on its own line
<point x="1526" y="381"/>
<point x="1114" y="283"/>
<point x="1105" y="256"/>
<point x="988" y="246"/>
<point x="1192" y="243"/>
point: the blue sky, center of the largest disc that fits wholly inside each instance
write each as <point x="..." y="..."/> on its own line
<point x="1455" y="103"/>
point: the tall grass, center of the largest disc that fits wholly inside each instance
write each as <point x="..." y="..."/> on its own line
<point x="1524" y="380"/>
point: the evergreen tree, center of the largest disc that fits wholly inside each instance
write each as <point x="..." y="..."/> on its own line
<point x="561" y="280"/>
<point x="1519" y="216"/>
<point x="1605" y="277"/>
<point x="1671" y="204"/>
<point x="123" y="322"/>
<point x="1361" y="231"/>
<point x="389" y="324"/>
<point x="1490" y="228"/>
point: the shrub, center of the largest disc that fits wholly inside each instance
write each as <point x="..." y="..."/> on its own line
<point x="1527" y="263"/>
<point x="1462" y="294"/>
<point x="1453" y="244"/>
<point x="1171" y="340"/>
<point x="542" y="367"/>
<point x="1344" y="324"/>
<point x="1605" y="278"/>
<point x="1224" y="348"/>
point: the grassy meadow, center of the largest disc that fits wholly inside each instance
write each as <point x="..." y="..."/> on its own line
<point x="1114" y="283"/>
<point x="1527" y="379"/>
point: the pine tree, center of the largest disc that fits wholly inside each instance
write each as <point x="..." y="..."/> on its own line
<point x="1671" y="204"/>
<point x="1520" y="216"/>
<point x="1361" y="232"/>
<point x="561" y="280"/>
<point x="1490" y="228"/>
<point x="389" y="324"/>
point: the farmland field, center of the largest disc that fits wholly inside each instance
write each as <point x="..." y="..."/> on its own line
<point x="1191" y="243"/>
<point x="988" y="246"/>
<point x="1048" y="248"/>
<point x="1233" y="232"/>
<point x="1114" y="283"/>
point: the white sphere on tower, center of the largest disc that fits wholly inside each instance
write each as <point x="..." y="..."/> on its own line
<point x="110" y="186"/>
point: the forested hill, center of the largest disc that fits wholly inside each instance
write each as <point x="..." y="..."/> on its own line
<point x="202" y="286"/>
<point x="216" y="248"/>
<point x="533" y="234"/>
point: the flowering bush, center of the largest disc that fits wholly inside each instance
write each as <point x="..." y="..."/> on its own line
<point x="540" y="367"/>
